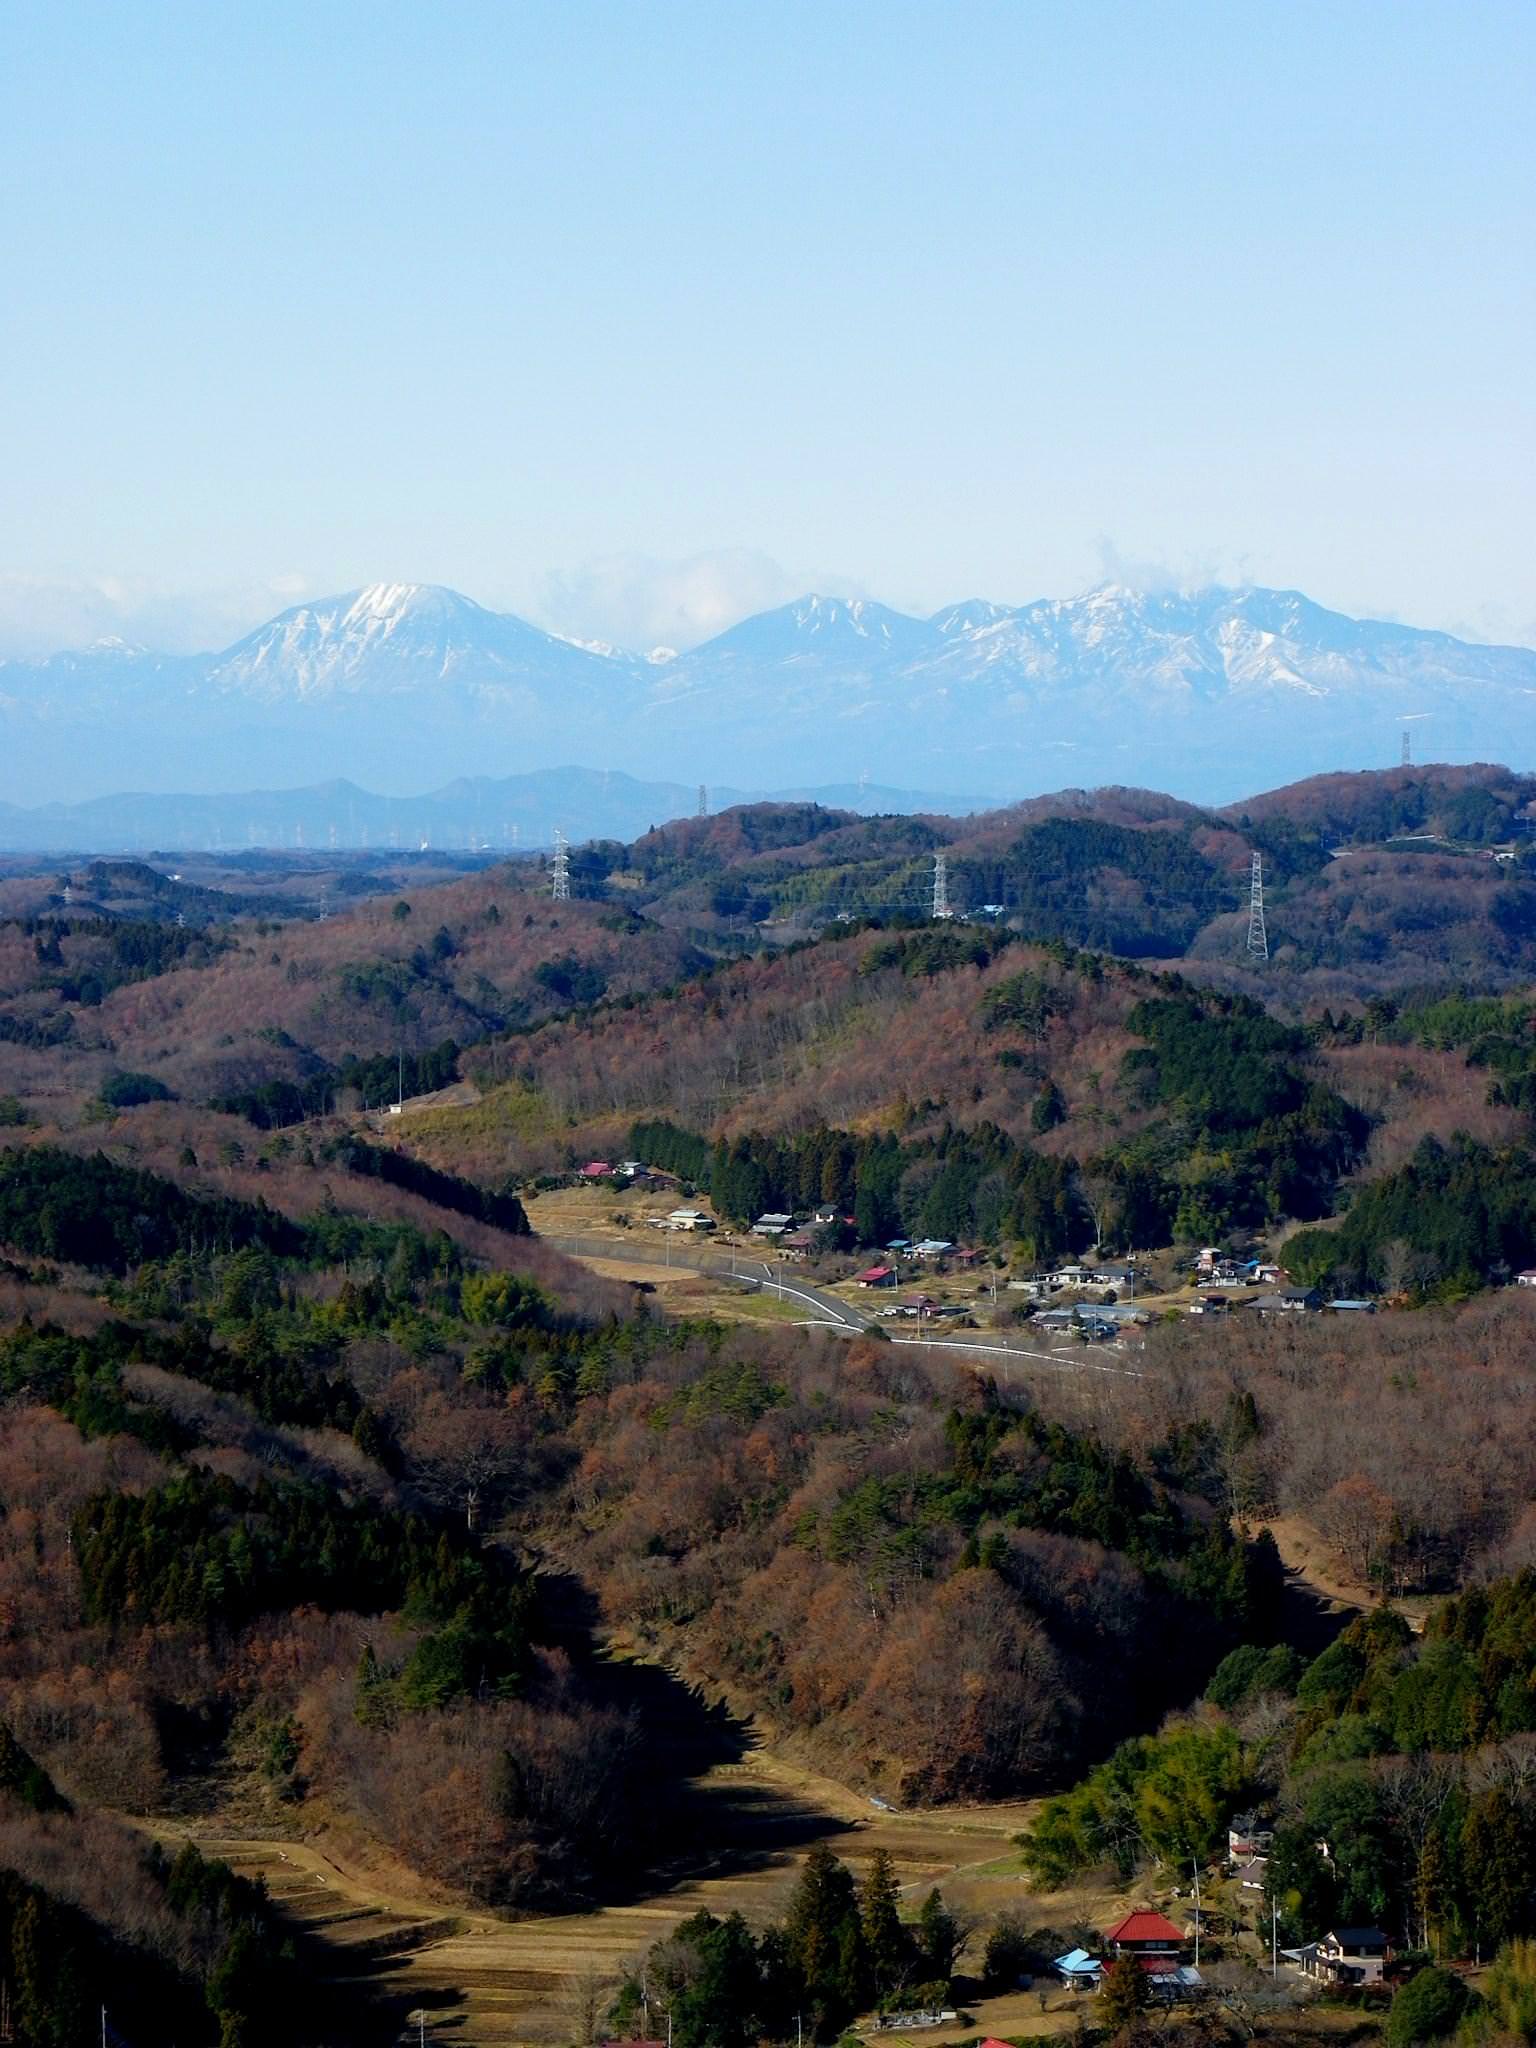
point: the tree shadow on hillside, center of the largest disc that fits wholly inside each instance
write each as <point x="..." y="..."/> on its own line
<point x="692" y="1819"/>
<point x="1310" y="1619"/>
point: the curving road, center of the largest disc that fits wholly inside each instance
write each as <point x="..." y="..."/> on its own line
<point x="742" y="1267"/>
<point x="828" y="1312"/>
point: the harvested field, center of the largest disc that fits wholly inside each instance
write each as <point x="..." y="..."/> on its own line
<point x="696" y="1294"/>
<point x="488" y="1983"/>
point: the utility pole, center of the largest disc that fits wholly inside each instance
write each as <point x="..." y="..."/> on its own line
<point x="1258" y="937"/>
<point x="1195" y="1866"/>
<point x="940" y="886"/>
<point x="560" y="871"/>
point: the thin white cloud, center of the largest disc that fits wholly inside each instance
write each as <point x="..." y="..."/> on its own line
<point x="40" y="614"/>
<point x="1158" y="575"/>
<point x="1495" y="625"/>
<point x="634" y="601"/>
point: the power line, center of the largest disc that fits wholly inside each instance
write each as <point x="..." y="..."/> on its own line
<point x="1258" y="937"/>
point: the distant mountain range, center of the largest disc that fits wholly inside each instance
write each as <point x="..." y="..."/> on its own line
<point x="1204" y="694"/>
<point x="475" y="813"/>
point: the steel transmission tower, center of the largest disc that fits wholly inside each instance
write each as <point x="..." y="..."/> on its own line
<point x="940" y="886"/>
<point x="1258" y="937"/>
<point x="560" y="872"/>
<point x="703" y="801"/>
<point x="1407" y="748"/>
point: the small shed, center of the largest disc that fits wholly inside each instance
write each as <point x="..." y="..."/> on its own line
<point x="1247" y="1836"/>
<point x="1078" y="1970"/>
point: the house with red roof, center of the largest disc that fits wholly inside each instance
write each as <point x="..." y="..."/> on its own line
<point x="878" y="1276"/>
<point x="1155" y="1942"/>
<point x="1155" y="1945"/>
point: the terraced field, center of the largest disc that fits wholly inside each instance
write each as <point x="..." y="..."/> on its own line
<point x="484" y="1982"/>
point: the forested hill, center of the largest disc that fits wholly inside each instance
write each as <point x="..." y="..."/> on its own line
<point x="955" y="1083"/>
<point x="1419" y="889"/>
<point x="322" y="1473"/>
<point x="270" y="1490"/>
<point x="1392" y="1764"/>
<point x="1374" y="884"/>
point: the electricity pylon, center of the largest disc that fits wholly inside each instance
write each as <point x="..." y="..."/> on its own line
<point x="1258" y="937"/>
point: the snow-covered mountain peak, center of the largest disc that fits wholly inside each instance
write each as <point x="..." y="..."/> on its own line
<point x="388" y="604"/>
<point x="817" y="629"/>
<point x="817" y="614"/>
<point x="1230" y="688"/>
<point x="390" y="638"/>
<point x="974" y="615"/>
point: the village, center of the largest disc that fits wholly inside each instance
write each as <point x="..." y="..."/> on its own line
<point x="924" y="1280"/>
<point x="1207" y="1936"/>
<point x="1216" y="1943"/>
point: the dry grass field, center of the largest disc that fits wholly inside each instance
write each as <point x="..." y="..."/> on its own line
<point x="483" y="1982"/>
<point x="594" y="1212"/>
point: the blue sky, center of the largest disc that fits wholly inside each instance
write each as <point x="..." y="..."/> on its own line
<point x="637" y="316"/>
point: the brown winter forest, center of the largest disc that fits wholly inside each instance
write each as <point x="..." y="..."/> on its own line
<point x="327" y="1487"/>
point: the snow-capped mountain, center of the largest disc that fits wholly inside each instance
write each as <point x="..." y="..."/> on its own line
<point x="395" y="638"/>
<point x="821" y="628"/>
<point x="1205" y="694"/>
<point x="1218" y="643"/>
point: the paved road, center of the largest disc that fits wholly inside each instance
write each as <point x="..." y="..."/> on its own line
<point x="828" y="1311"/>
<point x="743" y="1267"/>
<point x="1078" y="1359"/>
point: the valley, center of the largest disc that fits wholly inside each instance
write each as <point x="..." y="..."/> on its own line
<point x="534" y="1425"/>
<point x="490" y="1981"/>
<point x="768" y="1026"/>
